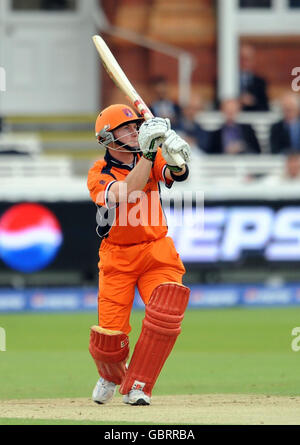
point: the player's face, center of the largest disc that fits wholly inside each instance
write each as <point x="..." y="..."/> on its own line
<point x="128" y="134"/>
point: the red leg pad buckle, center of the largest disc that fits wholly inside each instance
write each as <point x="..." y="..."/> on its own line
<point x="161" y="327"/>
<point x="110" y="351"/>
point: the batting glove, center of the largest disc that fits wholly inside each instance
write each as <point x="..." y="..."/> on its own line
<point x="151" y="135"/>
<point x="173" y="146"/>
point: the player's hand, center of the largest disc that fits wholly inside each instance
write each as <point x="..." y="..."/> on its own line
<point x="173" y="146"/>
<point x="151" y="135"/>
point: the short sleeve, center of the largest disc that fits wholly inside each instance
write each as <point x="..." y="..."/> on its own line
<point x="159" y="169"/>
<point x="99" y="184"/>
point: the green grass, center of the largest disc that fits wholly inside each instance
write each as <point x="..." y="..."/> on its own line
<point x="219" y="351"/>
<point x="62" y="422"/>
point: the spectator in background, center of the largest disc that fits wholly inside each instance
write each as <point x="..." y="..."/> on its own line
<point x="253" y="89"/>
<point x="188" y="126"/>
<point x="285" y="134"/>
<point x="232" y="137"/>
<point x="163" y="106"/>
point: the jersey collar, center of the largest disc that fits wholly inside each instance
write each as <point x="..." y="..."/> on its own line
<point x="118" y="164"/>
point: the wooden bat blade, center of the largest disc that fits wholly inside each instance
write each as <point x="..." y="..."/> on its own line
<point x="120" y="79"/>
<point x="118" y="76"/>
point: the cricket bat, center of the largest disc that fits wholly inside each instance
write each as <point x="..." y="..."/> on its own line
<point x="120" y="79"/>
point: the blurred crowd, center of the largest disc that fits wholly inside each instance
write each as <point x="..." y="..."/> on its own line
<point x="234" y="137"/>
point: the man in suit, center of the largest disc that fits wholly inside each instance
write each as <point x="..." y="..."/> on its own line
<point x="253" y="88"/>
<point x="232" y="137"/>
<point x="285" y="134"/>
<point x="162" y="105"/>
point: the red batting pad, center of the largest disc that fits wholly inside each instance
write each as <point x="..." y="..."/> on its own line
<point x="161" y="327"/>
<point x="110" y="353"/>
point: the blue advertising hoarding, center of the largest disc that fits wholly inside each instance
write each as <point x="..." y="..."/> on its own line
<point x="207" y="296"/>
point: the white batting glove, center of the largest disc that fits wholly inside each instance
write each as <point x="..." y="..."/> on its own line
<point x="173" y="146"/>
<point x="151" y="135"/>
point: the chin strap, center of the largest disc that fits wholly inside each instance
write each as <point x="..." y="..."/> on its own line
<point x="127" y="147"/>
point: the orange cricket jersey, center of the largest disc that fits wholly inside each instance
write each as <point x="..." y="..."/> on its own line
<point x="140" y="220"/>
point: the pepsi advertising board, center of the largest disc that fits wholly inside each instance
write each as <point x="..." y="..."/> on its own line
<point x="238" y="234"/>
<point x="38" y="237"/>
<point x="61" y="236"/>
<point x="30" y="237"/>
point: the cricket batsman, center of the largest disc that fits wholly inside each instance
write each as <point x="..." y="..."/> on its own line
<point x="135" y="251"/>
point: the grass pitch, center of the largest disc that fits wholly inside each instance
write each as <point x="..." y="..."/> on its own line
<point x="220" y="351"/>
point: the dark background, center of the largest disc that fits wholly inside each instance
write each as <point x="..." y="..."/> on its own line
<point x="77" y="259"/>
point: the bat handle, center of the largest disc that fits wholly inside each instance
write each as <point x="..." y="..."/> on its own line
<point x="179" y="160"/>
<point x="147" y="115"/>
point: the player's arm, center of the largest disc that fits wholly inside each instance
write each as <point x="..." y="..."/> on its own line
<point x="135" y="181"/>
<point x="178" y="175"/>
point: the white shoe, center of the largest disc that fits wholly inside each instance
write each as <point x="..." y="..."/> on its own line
<point x="136" y="397"/>
<point x="103" y="391"/>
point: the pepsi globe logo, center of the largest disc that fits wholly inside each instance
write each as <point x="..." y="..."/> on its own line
<point x="30" y="237"/>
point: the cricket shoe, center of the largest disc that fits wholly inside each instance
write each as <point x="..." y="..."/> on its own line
<point x="103" y="391"/>
<point x="136" y="397"/>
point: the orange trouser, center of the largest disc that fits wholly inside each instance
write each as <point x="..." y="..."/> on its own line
<point x="145" y="265"/>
